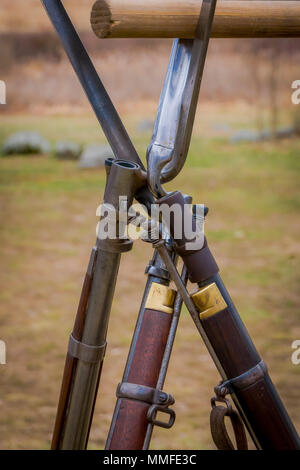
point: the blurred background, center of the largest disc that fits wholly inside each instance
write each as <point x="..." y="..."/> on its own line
<point x="243" y="163"/>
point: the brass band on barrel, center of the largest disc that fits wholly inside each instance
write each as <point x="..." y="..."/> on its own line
<point x="160" y="298"/>
<point x="209" y="301"/>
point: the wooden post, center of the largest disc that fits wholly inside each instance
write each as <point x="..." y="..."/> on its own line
<point x="178" y="18"/>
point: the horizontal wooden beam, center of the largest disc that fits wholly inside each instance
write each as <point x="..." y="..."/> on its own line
<point x="178" y="18"/>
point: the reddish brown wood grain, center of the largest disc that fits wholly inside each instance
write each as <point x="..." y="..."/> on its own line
<point x="131" y="423"/>
<point x="260" y="401"/>
<point x="70" y="363"/>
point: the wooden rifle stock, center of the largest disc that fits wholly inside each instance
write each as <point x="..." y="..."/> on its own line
<point x="71" y="361"/>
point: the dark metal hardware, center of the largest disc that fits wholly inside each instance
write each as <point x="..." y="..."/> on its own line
<point x="157" y="272"/>
<point x="85" y="352"/>
<point x="146" y="394"/>
<point x="248" y="378"/>
<point x="152" y="412"/>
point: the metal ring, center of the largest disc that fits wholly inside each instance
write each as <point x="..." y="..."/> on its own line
<point x="151" y="416"/>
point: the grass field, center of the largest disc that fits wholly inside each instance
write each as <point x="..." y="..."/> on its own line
<point x="48" y="221"/>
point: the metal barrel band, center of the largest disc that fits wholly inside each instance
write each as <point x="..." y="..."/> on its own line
<point x="150" y="395"/>
<point x="85" y="352"/>
<point x="157" y="272"/>
<point x="116" y="245"/>
<point x="248" y="378"/>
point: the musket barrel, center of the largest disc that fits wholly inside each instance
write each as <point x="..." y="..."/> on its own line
<point x="178" y="18"/>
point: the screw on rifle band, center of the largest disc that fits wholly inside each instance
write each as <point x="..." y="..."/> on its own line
<point x="221" y="391"/>
<point x="163" y="397"/>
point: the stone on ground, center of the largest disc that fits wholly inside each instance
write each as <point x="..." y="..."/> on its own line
<point x="67" y="150"/>
<point x="26" y="142"/>
<point x="94" y="156"/>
